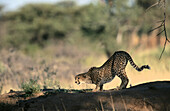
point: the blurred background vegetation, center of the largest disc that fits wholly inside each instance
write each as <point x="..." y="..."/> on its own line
<point x="54" y="42"/>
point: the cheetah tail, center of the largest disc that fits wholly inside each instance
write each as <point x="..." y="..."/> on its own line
<point x="135" y="66"/>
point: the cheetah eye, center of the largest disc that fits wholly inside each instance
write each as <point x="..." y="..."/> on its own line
<point x="78" y="78"/>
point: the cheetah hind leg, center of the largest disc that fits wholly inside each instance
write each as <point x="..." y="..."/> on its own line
<point x="122" y="75"/>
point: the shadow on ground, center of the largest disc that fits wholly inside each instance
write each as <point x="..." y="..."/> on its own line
<point x="148" y="97"/>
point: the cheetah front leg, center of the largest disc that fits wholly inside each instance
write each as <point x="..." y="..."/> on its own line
<point x="98" y="87"/>
<point x="122" y="75"/>
<point x="101" y="87"/>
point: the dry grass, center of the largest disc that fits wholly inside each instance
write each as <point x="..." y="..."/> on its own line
<point x="112" y="103"/>
<point x="101" y="105"/>
<point x="56" y="68"/>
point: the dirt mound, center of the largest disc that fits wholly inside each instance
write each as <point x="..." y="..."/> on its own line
<point x="149" y="96"/>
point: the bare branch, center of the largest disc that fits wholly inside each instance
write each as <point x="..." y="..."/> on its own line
<point x="156" y="28"/>
<point x="152" y="6"/>
<point x="163" y="50"/>
<point x="166" y="40"/>
<point x="162" y="25"/>
<point x="160" y="33"/>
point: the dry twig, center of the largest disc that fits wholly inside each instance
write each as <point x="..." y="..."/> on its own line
<point x="63" y="104"/>
<point x="101" y="105"/>
<point x="162" y="24"/>
<point x="112" y="103"/>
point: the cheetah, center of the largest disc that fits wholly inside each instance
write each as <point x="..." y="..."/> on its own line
<point x="114" y="66"/>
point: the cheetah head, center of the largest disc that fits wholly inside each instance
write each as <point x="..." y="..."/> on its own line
<point x="84" y="77"/>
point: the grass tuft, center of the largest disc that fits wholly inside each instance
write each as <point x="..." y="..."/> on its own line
<point x="30" y="87"/>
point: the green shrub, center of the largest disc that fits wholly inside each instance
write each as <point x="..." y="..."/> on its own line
<point x="30" y="87"/>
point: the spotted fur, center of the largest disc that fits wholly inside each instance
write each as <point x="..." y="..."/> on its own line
<point x="114" y="66"/>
